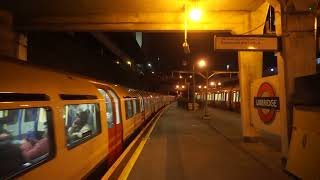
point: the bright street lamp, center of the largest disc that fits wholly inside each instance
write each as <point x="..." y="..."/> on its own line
<point x="195" y="14"/>
<point x="202" y="63"/>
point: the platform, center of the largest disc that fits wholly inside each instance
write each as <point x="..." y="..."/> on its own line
<point x="183" y="146"/>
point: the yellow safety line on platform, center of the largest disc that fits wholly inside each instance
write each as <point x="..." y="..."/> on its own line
<point x="126" y="171"/>
<point x="127" y="150"/>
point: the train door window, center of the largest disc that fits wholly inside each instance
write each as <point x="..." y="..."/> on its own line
<point x="82" y="122"/>
<point x="227" y="96"/>
<point x="117" y="105"/>
<point x="128" y="107"/>
<point x="138" y="105"/>
<point x="141" y="104"/>
<point x="134" y="105"/>
<point x="109" y="108"/>
<point x="24" y="146"/>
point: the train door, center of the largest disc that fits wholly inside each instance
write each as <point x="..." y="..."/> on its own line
<point x="114" y="121"/>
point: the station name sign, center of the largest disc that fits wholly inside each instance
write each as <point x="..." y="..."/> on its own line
<point x="267" y="103"/>
<point x="246" y="43"/>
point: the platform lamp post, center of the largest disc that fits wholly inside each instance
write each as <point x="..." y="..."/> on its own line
<point x="203" y="64"/>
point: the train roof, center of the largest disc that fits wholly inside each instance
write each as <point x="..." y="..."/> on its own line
<point x="21" y="77"/>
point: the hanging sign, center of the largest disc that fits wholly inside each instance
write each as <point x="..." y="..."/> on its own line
<point x="246" y="43"/>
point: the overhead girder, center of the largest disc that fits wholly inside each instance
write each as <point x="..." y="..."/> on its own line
<point x="128" y="15"/>
<point x="161" y="21"/>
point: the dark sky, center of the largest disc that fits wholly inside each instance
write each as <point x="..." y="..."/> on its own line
<point x="82" y="53"/>
<point x="168" y="46"/>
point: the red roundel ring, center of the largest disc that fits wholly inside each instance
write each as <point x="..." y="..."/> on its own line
<point x="268" y="117"/>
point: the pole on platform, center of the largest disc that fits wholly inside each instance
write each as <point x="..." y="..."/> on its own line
<point x="194" y="89"/>
<point x="206" y="116"/>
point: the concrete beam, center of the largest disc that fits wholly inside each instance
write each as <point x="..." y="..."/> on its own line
<point x="144" y="21"/>
<point x="12" y="44"/>
<point x="110" y="45"/>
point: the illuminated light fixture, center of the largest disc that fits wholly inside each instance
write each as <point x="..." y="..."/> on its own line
<point x="202" y="63"/>
<point x="186" y="48"/>
<point x="117" y="62"/>
<point x="205" y="87"/>
<point x="129" y="63"/>
<point x="149" y="65"/>
<point x="272" y="69"/>
<point x="195" y="14"/>
<point x="152" y="72"/>
<point x="219" y="83"/>
<point x="200" y="87"/>
<point x="190" y="77"/>
<point x="251" y="47"/>
<point x="115" y="85"/>
<point x="183" y="86"/>
<point x="180" y="77"/>
<point x="212" y="83"/>
<point x="177" y="86"/>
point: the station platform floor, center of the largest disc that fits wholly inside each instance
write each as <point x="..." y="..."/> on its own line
<point x="184" y="146"/>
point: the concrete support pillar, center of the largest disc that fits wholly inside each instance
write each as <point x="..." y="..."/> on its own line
<point x="297" y="58"/>
<point x="299" y="47"/>
<point x="250" y="67"/>
<point x="12" y="44"/>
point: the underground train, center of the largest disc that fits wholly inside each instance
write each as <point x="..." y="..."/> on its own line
<point x="59" y="126"/>
<point x="227" y="97"/>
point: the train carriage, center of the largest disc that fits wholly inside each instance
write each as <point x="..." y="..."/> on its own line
<point x="38" y="112"/>
<point x="63" y="126"/>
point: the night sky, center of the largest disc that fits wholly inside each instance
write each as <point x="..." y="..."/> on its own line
<point x="81" y="53"/>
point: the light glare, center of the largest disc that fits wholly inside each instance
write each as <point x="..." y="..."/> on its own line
<point x="195" y="14"/>
<point x="202" y="63"/>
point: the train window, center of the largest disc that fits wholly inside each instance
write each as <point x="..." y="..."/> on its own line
<point x="134" y="104"/>
<point x="129" y="111"/>
<point x="77" y="97"/>
<point x="7" y="97"/>
<point x="227" y="96"/>
<point x="117" y="105"/>
<point x="141" y="104"/>
<point x="82" y="121"/>
<point x="109" y="108"/>
<point x="138" y="105"/>
<point x="24" y="144"/>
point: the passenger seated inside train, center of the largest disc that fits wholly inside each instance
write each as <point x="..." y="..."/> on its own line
<point x="81" y="122"/>
<point x="80" y="127"/>
<point x="10" y="154"/>
<point x="23" y="139"/>
<point x="34" y="145"/>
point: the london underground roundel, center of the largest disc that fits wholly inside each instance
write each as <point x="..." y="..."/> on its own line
<point x="267" y="103"/>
